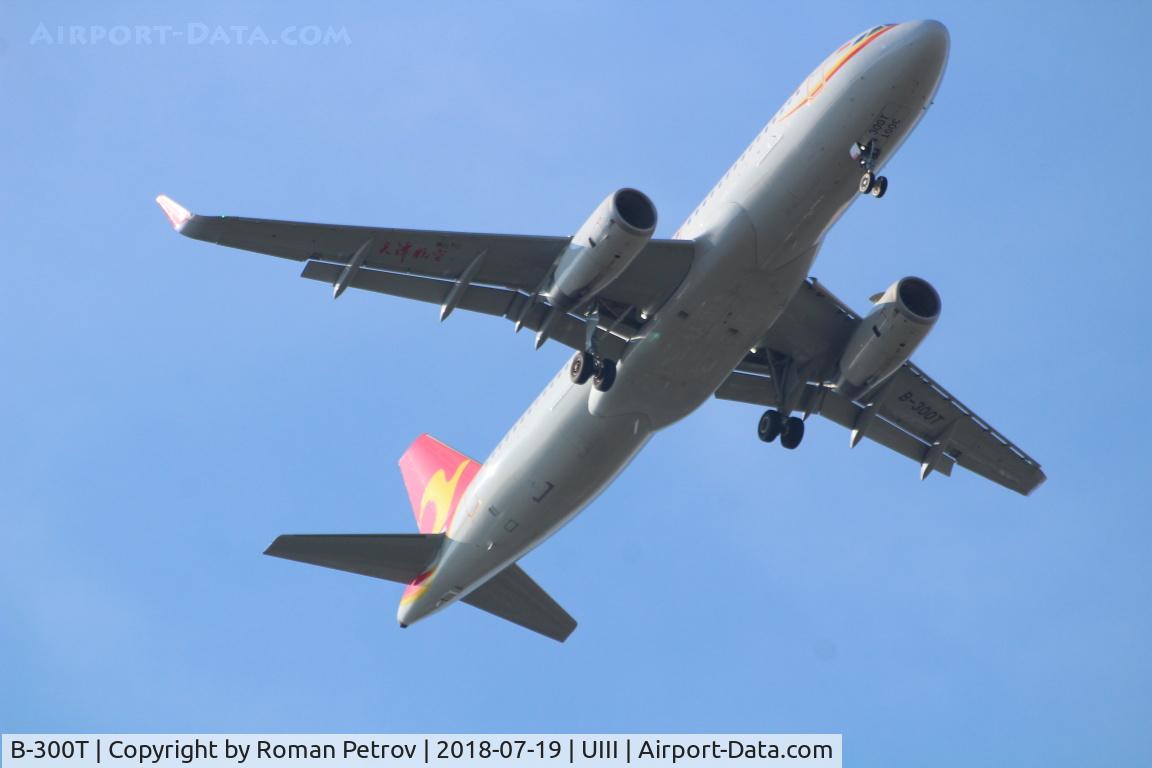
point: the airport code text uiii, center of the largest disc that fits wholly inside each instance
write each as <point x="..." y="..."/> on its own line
<point x="582" y="750"/>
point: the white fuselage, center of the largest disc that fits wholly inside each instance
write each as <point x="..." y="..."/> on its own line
<point x="756" y="234"/>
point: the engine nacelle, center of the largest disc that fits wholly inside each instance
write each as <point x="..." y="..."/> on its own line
<point x="887" y="337"/>
<point x="602" y="248"/>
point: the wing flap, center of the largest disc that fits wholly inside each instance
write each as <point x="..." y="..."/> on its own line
<point x="847" y="414"/>
<point x="514" y="596"/>
<point x="478" y="298"/>
<point x="499" y="302"/>
<point x="399" y="557"/>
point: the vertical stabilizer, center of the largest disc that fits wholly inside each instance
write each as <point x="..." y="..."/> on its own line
<point x="436" y="477"/>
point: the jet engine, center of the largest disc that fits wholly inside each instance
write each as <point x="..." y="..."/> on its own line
<point x="887" y="337"/>
<point x="602" y="248"/>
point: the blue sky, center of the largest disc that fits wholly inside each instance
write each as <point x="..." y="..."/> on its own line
<point x="170" y="407"/>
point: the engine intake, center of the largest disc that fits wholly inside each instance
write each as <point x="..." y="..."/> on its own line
<point x="918" y="298"/>
<point x="888" y="335"/>
<point x="602" y="248"/>
<point x="635" y="209"/>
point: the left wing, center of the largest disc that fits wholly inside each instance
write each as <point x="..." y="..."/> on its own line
<point x="492" y="274"/>
<point x="910" y="413"/>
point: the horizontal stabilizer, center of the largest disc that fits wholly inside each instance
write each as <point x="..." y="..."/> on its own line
<point x="514" y="596"/>
<point x="511" y="594"/>
<point x="399" y="557"/>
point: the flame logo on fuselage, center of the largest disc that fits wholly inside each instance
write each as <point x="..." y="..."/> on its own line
<point x="417" y="588"/>
<point x="440" y="492"/>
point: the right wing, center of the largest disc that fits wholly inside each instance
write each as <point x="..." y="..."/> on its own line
<point x="498" y="274"/>
<point x="910" y="413"/>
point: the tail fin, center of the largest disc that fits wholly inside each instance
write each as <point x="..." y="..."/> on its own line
<point x="436" y="477"/>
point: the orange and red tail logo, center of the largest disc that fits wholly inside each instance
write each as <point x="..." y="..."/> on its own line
<point x="436" y="477"/>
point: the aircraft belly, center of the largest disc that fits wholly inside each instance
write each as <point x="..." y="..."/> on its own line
<point x="754" y="251"/>
<point x="725" y="306"/>
<point x="555" y="461"/>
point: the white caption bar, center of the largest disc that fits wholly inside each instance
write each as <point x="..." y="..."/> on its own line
<point x="380" y="750"/>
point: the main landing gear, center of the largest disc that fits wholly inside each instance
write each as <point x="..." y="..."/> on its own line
<point x="790" y="382"/>
<point x="589" y="364"/>
<point x="774" y="424"/>
<point x="870" y="183"/>
<point x="586" y="365"/>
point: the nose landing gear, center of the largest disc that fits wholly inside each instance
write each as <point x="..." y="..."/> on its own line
<point x="870" y="183"/>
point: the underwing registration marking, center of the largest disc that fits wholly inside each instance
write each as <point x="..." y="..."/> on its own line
<point x="922" y="409"/>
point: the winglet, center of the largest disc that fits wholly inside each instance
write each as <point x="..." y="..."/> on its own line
<point x="176" y="213"/>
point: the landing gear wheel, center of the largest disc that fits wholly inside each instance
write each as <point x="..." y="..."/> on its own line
<point x="582" y="367"/>
<point x="866" y="182"/>
<point x="771" y="423"/>
<point x="793" y="432"/>
<point x="880" y="186"/>
<point x="605" y="375"/>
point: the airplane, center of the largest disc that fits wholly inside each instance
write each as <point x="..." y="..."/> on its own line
<point x="724" y="308"/>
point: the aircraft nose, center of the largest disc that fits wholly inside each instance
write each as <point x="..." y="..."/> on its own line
<point x="928" y="44"/>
